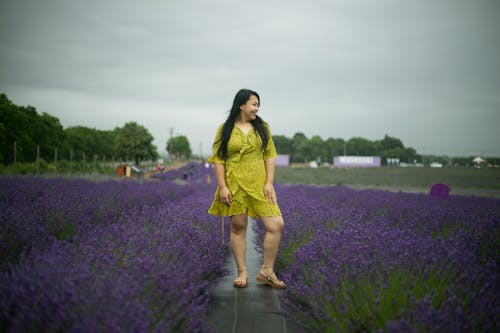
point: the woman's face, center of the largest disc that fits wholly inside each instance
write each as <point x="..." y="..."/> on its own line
<point x="250" y="108"/>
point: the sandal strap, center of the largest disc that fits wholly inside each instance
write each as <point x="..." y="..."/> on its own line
<point x="242" y="269"/>
<point x="240" y="279"/>
<point x="271" y="277"/>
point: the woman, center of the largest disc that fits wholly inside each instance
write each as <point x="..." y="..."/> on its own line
<point x="243" y="158"/>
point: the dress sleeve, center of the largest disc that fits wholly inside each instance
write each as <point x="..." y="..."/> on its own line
<point x="214" y="158"/>
<point x="270" y="151"/>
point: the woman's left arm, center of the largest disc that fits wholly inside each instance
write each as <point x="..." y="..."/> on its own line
<point x="269" y="191"/>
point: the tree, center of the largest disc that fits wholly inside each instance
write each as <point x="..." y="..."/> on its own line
<point x="49" y="135"/>
<point x="90" y="141"/>
<point x="300" y="151"/>
<point x="406" y="155"/>
<point x="178" y="147"/>
<point x="79" y="139"/>
<point x="134" y="140"/>
<point x="316" y="148"/>
<point x="334" y="147"/>
<point x="389" y="142"/>
<point x="28" y="129"/>
<point x="283" y="144"/>
<point x="360" y="147"/>
<point x="3" y="139"/>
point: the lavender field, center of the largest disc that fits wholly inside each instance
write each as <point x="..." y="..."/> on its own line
<point x="367" y="260"/>
<point x="79" y="256"/>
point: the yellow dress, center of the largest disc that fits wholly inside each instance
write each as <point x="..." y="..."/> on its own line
<point x="245" y="174"/>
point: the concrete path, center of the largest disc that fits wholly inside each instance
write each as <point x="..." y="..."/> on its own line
<point x="253" y="309"/>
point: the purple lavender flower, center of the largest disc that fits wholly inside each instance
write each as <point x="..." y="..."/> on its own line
<point x="111" y="256"/>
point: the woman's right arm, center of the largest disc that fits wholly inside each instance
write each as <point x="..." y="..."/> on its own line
<point x="224" y="193"/>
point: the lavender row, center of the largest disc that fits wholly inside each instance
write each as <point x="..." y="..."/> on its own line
<point x="193" y="172"/>
<point x="37" y="211"/>
<point x="366" y="260"/>
<point x="112" y="256"/>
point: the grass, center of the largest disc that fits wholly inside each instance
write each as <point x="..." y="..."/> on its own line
<point x="369" y="302"/>
<point x="461" y="180"/>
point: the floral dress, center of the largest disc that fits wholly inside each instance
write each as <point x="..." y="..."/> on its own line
<point x="245" y="174"/>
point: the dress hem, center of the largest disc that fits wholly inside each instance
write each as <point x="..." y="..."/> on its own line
<point x="252" y="216"/>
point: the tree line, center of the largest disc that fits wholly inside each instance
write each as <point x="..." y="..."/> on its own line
<point x="23" y="131"/>
<point x="301" y="149"/>
<point x="28" y="129"/>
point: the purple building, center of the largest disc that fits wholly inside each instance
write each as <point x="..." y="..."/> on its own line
<point x="282" y="160"/>
<point x="356" y="161"/>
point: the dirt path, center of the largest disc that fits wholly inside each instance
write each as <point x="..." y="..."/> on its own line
<point x="175" y="165"/>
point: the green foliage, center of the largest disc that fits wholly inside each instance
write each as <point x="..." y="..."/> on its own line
<point x="283" y="144"/>
<point x="389" y="142"/>
<point x="407" y="155"/>
<point x="334" y="147"/>
<point x="316" y="148"/>
<point x="134" y="141"/>
<point x="28" y="129"/>
<point x="60" y="226"/>
<point x="361" y="147"/>
<point x="25" y="128"/>
<point x="3" y="140"/>
<point x="63" y="167"/>
<point x="370" y="302"/>
<point x="301" y="149"/>
<point x="82" y="141"/>
<point x="288" y="253"/>
<point x="178" y="147"/>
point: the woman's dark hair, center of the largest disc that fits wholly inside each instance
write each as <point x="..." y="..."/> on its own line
<point x="241" y="98"/>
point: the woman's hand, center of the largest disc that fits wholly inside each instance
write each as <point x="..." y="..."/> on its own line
<point x="270" y="193"/>
<point x="225" y="196"/>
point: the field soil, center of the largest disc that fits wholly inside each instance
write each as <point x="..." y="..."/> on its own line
<point x="462" y="181"/>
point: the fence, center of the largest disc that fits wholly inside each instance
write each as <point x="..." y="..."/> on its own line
<point x="102" y="164"/>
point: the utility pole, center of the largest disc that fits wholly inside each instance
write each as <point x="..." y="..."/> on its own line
<point x="38" y="159"/>
<point x="93" y="164"/>
<point x="55" y="158"/>
<point x="15" y="156"/>
<point x="171" y="130"/>
<point x="71" y="161"/>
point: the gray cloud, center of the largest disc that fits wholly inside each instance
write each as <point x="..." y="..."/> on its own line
<point x="427" y="72"/>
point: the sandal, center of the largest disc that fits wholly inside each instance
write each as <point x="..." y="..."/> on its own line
<point x="239" y="282"/>
<point x="270" y="278"/>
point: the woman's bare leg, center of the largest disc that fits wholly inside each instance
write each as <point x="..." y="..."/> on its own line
<point x="238" y="242"/>
<point x="274" y="225"/>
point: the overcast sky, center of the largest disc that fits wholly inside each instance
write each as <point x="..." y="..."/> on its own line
<point x="424" y="71"/>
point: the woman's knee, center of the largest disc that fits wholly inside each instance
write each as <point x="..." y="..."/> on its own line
<point x="238" y="224"/>
<point x="275" y="224"/>
<point x="238" y="228"/>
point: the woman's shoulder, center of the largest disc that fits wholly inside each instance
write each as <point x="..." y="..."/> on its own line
<point x="219" y="128"/>
<point x="266" y="126"/>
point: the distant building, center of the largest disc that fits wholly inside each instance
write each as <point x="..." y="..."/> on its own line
<point x="282" y="160"/>
<point x="356" y="161"/>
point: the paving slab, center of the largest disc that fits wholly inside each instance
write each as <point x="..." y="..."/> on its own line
<point x="253" y="309"/>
